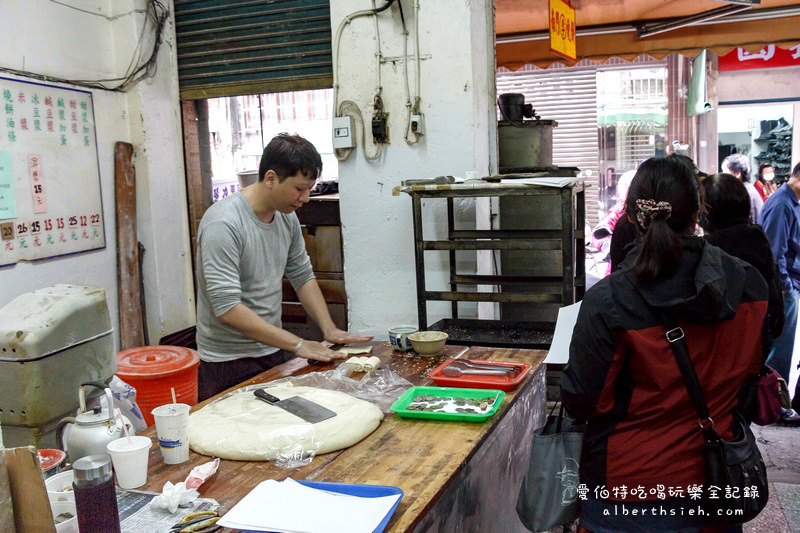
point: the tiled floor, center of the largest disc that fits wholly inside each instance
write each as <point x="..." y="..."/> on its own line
<point x="779" y="448"/>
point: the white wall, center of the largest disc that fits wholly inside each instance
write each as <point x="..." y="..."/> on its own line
<point x="93" y="39"/>
<point x="758" y="84"/>
<point x="457" y="89"/>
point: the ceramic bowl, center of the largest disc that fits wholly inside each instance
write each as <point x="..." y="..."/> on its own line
<point x="398" y="337"/>
<point x="59" y="487"/>
<point x="428" y="343"/>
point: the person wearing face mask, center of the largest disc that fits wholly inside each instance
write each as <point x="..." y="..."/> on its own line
<point x="246" y="244"/>
<point x="765" y="180"/>
<point x="739" y="166"/>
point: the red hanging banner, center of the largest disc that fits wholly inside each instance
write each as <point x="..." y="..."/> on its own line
<point x="769" y="57"/>
<point x="562" y="29"/>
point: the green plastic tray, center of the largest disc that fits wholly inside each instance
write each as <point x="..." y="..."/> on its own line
<point x="407" y="399"/>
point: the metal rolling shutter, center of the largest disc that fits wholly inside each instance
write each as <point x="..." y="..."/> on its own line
<point x="570" y="98"/>
<point x="235" y="47"/>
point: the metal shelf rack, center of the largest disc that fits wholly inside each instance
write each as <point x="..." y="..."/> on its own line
<point x="560" y="242"/>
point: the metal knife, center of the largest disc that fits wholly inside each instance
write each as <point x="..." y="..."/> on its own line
<point x="300" y="407"/>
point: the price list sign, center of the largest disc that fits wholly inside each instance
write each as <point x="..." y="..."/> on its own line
<point x="50" y="199"/>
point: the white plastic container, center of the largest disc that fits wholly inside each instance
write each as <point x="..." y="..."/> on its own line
<point x="51" y="341"/>
<point x="59" y="487"/>
<point x="67" y="526"/>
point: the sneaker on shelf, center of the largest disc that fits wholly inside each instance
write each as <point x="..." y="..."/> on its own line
<point x="789" y="417"/>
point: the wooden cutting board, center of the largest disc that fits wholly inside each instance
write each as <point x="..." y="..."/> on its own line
<point x="28" y="493"/>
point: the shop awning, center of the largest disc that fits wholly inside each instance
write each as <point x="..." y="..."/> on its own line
<point x="610" y="29"/>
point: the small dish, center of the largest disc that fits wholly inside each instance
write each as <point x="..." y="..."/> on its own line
<point x="51" y="461"/>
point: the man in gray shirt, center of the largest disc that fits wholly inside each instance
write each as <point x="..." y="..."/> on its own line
<point x="247" y="242"/>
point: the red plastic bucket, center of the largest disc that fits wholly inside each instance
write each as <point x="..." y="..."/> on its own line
<point x="154" y="370"/>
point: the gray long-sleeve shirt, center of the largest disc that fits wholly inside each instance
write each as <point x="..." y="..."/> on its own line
<point x="241" y="259"/>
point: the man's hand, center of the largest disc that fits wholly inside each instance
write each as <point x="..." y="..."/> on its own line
<point x="316" y="351"/>
<point x="337" y="336"/>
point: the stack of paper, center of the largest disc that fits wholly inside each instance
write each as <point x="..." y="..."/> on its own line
<point x="562" y="337"/>
<point x="289" y="507"/>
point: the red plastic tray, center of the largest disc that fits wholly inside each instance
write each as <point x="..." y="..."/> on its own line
<point x="478" y="381"/>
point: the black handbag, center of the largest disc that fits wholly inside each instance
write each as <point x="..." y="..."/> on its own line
<point x="548" y="496"/>
<point x="736" y="478"/>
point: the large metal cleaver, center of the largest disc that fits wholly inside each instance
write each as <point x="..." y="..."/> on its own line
<point x="305" y="409"/>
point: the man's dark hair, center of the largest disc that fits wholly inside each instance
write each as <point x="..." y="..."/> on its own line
<point x="288" y="155"/>
<point x="796" y="171"/>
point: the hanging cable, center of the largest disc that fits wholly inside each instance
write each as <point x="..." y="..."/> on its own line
<point x="408" y="139"/>
<point x="378" y="53"/>
<point x="156" y="14"/>
<point x="342" y="154"/>
<point x="354" y="111"/>
<point x="417" y="97"/>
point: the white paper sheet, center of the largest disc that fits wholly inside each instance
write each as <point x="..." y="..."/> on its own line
<point x="565" y="323"/>
<point x="289" y="507"/>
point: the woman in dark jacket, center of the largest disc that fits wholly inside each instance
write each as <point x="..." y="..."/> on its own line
<point x="725" y="224"/>
<point x="643" y="450"/>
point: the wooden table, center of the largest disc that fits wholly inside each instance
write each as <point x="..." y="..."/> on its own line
<point x="456" y="476"/>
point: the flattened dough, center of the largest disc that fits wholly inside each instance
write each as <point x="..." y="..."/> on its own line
<point x="353" y="350"/>
<point x="244" y="428"/>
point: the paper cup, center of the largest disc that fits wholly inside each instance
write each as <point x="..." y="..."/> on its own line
<point x="172" y="427"/>
<point x="130" y="460"/>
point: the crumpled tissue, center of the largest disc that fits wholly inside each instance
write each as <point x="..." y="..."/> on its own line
<point x="173" y="496"/>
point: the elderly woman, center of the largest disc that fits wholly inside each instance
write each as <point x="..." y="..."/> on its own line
<point x="739" y="166"/>
<point x="643" y="448"/>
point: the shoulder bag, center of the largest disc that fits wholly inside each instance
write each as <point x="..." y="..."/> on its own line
<point x="735" y="471"/>
<point x="549" y="493"/>
<point x="771" y="394"/>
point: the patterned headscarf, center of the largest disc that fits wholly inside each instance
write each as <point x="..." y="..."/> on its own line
<point x="647" y="210"/>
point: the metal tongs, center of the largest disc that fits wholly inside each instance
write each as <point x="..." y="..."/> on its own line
<point x="458" y="367"/>
<point x="202" y="522"/>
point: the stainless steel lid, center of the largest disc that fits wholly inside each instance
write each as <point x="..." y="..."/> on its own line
<point x="92" y="468"/>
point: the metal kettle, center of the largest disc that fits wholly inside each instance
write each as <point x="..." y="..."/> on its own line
<point x="91" y="430"/>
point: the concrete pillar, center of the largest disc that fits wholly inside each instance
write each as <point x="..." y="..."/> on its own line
<point x="457" y="92"/>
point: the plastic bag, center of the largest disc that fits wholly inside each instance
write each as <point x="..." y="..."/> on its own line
<point x="125" y="400"/>
<point x="382" y="386"/>
<point x="241" y="432"/>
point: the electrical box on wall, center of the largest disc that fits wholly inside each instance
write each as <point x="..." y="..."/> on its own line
<point x="343" y="132"/>
<point x="380" y="128"/>
<point x="418" y="123"/>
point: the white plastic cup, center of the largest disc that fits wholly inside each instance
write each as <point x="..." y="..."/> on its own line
<point x="130" y="460"/>
<point x="172" y="427"/>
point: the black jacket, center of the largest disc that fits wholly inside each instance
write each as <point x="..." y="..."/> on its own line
<point x="750" y="243"/>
